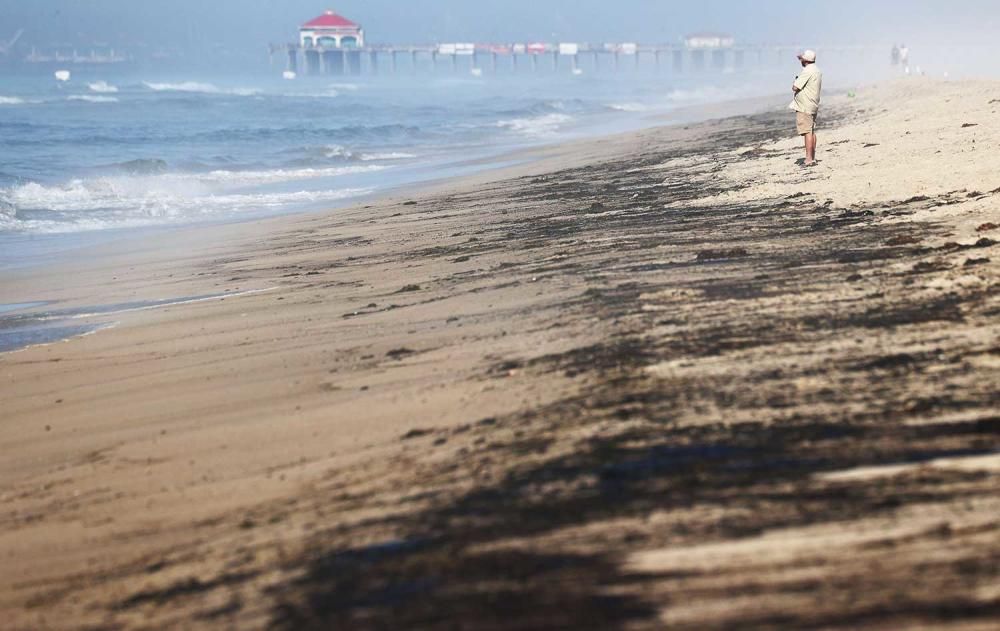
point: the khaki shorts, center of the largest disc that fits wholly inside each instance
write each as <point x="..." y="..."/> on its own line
<point x="805" y="123"/>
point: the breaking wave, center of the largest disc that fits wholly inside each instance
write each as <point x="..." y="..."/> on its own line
<point x="536" y="108"/>
<point x="102" y="87"/>
<point x="537" y="126"/>
<point x="102" y="203"/>
<point x="338" y="153"/>
<point x="198" y="87"/>
<point x="328" y="94"/>
<point x="391" y="155"/>
<point x="11" y="100"/>
<point x="93" y="99"/>
<point x="628" y="107"/>
<point x="269" y="176"/>
<point x="141" y="193"/>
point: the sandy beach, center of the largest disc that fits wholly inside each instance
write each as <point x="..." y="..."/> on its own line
<point x="667" y="379"/>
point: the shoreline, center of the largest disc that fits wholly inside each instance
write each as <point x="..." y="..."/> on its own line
<point x="151" y="240"/>
<point x="663" y="378"/>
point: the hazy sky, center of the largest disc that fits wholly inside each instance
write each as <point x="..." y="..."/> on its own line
<point x="246" y="25"/>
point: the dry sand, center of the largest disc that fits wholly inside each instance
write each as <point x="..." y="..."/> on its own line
<point x="667" y="379"/>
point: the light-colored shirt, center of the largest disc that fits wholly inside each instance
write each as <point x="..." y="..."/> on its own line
<point x="810" y="85"/>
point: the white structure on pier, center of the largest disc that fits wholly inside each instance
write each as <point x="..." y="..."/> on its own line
<point x="709" y="40"/>
<point x="331" y="31"/>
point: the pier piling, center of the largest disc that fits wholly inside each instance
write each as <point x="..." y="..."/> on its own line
<point x="719" y="59"/>
<point x="698" y="60"/>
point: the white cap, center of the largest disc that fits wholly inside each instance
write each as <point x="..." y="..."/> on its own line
<point x="809" y="55"/>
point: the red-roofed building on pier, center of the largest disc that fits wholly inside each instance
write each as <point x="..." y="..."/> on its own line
<point x="332" y="44"/>
<point x="331" y="31"/>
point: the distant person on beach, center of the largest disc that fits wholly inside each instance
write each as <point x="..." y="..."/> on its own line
<point x="807" y="89"/>
<point x="904" y="58"/>
<point x="895" y="55"/>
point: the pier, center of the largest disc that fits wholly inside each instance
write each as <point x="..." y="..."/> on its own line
<point x="333" y="45"/>
<point x="93" y="57"/>
<point x="392" y="59"/>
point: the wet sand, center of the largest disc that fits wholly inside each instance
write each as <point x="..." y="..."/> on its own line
<point x="663" y="380"/>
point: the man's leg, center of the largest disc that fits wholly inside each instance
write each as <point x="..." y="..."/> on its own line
<point x="811" y="148"/>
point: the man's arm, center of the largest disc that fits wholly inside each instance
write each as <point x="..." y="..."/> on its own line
<point x="801" y="82"/>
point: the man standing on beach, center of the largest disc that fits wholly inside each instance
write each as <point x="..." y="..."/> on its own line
<point x="807" y="89"/>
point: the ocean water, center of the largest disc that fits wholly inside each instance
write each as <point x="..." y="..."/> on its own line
<point x="105" y="156"/>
